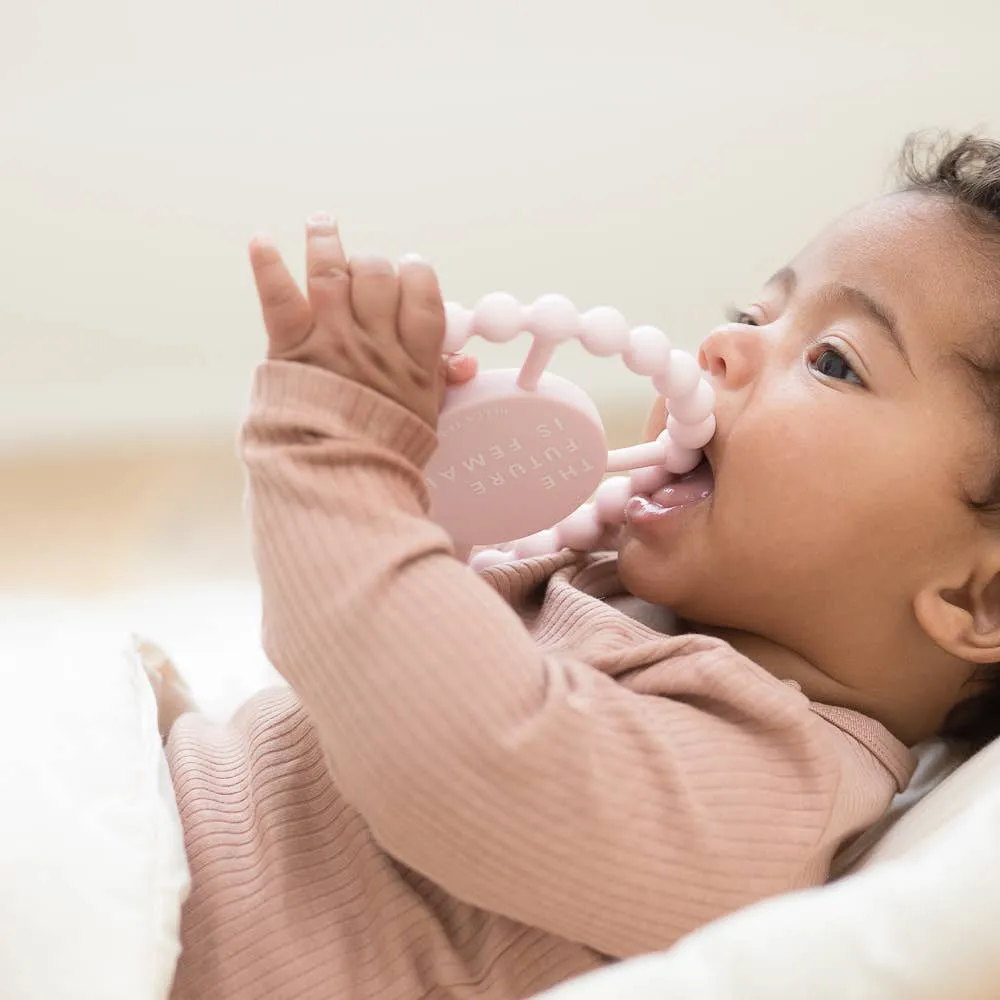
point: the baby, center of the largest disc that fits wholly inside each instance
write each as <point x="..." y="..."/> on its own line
<point x="480" y="786"/>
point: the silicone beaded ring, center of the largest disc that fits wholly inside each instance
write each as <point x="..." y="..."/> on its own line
<point x="520" y="450"/>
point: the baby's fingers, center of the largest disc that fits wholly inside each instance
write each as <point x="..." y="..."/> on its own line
<point x="329" y="281"/>
<point x="287" y="316"/>
<point x="421" y="312"/>
<point x="459" y="368"/>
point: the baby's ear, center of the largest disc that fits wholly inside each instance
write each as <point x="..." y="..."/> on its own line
<point x="965" y="620"/>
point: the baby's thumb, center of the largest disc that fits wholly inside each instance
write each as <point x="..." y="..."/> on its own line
<point x="286" y="312"/>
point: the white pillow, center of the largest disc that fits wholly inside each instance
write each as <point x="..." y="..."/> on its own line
<point x="917" y="922"/>
<point x="211" y="632"/>
<point x="92" y="865"/>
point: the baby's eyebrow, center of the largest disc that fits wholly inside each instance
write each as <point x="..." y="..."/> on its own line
<point x="786" y="278"/>
<point x="838" y="294"/>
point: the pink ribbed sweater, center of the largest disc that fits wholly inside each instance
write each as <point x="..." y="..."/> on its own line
<point x="481" y="785"/>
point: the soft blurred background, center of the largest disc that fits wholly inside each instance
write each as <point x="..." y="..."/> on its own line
<point x="662" y="157"/>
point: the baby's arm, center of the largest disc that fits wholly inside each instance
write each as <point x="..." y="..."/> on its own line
<point x="532" y="785"/>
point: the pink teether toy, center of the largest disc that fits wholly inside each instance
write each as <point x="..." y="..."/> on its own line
<point x="521" y="450"/>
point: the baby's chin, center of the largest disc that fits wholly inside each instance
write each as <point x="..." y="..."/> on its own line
<point x="673" y="580"/>
<point x="647" y="575"/>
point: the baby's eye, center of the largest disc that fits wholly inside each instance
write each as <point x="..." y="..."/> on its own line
<point x="734" y="315"/>
<point x="830" y="362"/>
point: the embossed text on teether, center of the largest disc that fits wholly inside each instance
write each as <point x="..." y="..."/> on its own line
<point x="520" y="461"/>
<point x="477" y="416"/>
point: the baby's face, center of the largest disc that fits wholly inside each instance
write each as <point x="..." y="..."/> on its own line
<point x="848" y="436"/>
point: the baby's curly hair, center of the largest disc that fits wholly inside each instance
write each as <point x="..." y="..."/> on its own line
<point x="966" y="172"/>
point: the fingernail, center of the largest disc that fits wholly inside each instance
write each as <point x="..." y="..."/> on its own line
<point x="320" y="219"/>
<point x="412" y="258"/>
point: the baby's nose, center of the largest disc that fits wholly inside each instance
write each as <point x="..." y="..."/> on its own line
<point x="731" y="357"/>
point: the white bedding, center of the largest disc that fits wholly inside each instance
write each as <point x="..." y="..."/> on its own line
<point x="211" y="631"/>
<point x="92" y="865"/>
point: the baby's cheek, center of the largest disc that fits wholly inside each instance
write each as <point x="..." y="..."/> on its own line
<point x="778" y="496"/>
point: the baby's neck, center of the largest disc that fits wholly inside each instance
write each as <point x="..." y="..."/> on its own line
<point x="816" y="684"/>
<point x="777" y="660"/>
<point x="653" y="616"/>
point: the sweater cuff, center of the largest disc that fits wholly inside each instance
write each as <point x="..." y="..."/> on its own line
<point x="319" y="401"/>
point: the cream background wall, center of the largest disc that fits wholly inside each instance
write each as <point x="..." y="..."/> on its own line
<point x="658" y="156"/>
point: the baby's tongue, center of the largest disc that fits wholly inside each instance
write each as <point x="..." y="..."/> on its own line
<point x="687" y="489"/>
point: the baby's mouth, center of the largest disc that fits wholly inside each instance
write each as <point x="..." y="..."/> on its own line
<point x="686" y="490"/>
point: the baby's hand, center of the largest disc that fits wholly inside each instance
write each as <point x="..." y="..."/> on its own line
<point x="360" y="320"/>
